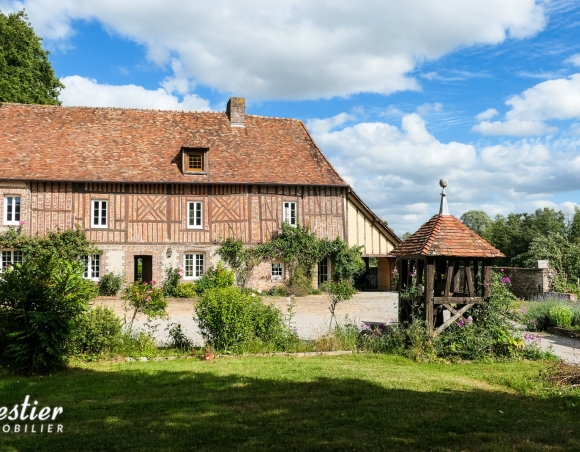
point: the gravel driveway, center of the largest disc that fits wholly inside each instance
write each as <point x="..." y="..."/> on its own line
<point x="311" y="314"/>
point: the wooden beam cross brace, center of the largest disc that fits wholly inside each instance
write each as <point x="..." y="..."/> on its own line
<point x="452" y="319"/>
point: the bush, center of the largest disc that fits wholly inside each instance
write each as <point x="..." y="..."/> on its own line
<point x="177" y="337"/>
<point x="146" y="299"/>
<point x="95" y="333"/>
<point x="561" y="316"/>
<point x="215" y="278"/>
<point x="186" y="290"/>
<point x="39" y="303"/>
<point x="110" y="284"/>
<point x="171" y="282"/>
<point x="229" y="318"/>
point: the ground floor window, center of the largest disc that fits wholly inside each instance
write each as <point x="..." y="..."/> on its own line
<point x="194" y="265"/>
<point x="277" y="270"/>
<point x="322" y="271"/>
<point x="92" y="266"/>
<point x="9" y="258"/>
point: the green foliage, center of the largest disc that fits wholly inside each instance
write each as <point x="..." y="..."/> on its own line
<point x="411" y="340"/>
<point x="186" y="290"/>
<point x="229" y="319"/>
<point x="215" y="278"/>
<point x="146" y="299"/>
<point x="476" y="220"/>
<point x="514" y="234"/>
<point x="66" y="245"/>
<point x="96" y="333"/>
<point x="26" y="75"/>
<point x="561" y="316"/>
<point x="346" y="261"/>
<point x="110" y="284"/>
<point x="337" y="291"/>
<point x="564" y="256"/>
<point x="39" y="303"/>
<point x="297" y="247"/>
<point x="171" y="282"/>
<point x="177" y="338"/>
<point x="242" y="260"/>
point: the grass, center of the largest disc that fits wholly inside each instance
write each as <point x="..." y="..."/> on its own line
<point x="351" y="402"/>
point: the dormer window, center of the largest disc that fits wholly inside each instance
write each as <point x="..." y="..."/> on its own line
<point x="194" y="161"/>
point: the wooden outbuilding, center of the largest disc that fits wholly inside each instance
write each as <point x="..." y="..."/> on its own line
<point x="442" y="266"/>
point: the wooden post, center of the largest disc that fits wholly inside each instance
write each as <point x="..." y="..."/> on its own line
<point x="469" y="278"/>
<point x="486" y="279"/>
<point x="429" y="284"/>
<point x="449" y="278"/>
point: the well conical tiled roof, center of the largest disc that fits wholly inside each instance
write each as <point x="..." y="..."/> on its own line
<point x="445" y="235"/>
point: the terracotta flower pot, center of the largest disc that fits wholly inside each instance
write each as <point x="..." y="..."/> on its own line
<point x="208" y="356"/>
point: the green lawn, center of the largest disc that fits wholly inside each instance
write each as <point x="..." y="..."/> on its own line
<point x="358" y="402"/>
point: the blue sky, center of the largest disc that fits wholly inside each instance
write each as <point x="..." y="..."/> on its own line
<point x="398" y="94"/>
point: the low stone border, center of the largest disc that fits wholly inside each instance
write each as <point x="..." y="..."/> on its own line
<point x="574" y="334"/>
<point x="297" y="355"/>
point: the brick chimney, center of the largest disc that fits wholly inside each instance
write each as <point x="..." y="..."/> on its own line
<point x="236" y="111"/>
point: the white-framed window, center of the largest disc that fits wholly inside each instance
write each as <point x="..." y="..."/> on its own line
<point x="99" y="213"/>
<point x="193" y="265"/>
<point x="11" y="209"/>
<point x="92" y="266"/>
<point x="277" y="270"/>
<point x="290" y="216"/>
<point x="9" y="258"/>
<point x="194" y="215"/>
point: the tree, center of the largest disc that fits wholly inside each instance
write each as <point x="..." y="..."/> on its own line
<point x="574" y="232"/>
<point x="476" y="220"/>
<point x="26" y="75"/>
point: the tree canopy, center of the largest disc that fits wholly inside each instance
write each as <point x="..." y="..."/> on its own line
<point x="26" y="75"/>
<point x="476" y="220"/>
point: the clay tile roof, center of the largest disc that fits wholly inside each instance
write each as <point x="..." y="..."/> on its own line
<point x="40" y="142"/>
<point x="445" y="235"/>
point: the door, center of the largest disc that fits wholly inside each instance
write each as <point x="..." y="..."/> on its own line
<point x="143" y="268"/>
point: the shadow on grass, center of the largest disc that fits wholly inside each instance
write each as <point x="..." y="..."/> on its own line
<point x="145" y="409"/>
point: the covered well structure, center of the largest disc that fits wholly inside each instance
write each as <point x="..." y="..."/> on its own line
<point x="442" y="266"/>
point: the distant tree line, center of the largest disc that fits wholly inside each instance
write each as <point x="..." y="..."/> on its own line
<point x="527" y="237"/>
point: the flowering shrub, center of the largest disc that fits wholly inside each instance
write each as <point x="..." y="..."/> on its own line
<point x="172" y="278"/>
<point x="144" y="298"/>
<point x="215" y="278"/>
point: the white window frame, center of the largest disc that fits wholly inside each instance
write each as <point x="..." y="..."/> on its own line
<point x="289" y="208"/>
<point x="15" y="220"/>
<point x="98" y="219"/>
<point x="197" y="215"/>
<point x="4" y="263"/>
<point x="196" y="268"/>
<point x="279" y="266"/>
<point x="92" y="267"/>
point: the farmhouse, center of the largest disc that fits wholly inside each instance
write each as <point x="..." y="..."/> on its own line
<point x="155" y="189"/>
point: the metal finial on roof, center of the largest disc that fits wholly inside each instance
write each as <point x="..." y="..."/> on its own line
<point x="443" y="209"/>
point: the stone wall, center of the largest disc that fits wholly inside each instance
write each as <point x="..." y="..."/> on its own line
<point x="526" y="282"/>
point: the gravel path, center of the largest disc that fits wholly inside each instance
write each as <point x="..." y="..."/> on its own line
<point x="566" y="348"/>
<point x="311" y="315"/>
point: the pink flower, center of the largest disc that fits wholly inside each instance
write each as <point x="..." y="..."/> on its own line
<point x="506" y="280"/>
<point x="486" y="284"/>
<point x="22" y="222"/>
<point x="148" y="298"/>
<point x="501" y="270"/>
<point x="469" y="319"/>
<point x="153" y="282"/>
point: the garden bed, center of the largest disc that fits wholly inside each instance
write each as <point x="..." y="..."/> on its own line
<point x="574" y="334"/>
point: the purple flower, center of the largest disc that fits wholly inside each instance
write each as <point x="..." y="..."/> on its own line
<point x="506" y="280"/>
<point x="411" y="274"/>
<point x="382" y="326"/>
<point x="533" y="321"/>
<point x="524" y="311"/>
<point x="486" y="284"/>
<point x="461" y="323"/>
<point x="501" y="270"/>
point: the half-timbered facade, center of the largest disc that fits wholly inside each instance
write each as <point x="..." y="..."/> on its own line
<point x="159" y="188"/>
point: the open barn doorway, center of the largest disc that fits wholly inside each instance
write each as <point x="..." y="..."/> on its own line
<point x="143" y="268"/>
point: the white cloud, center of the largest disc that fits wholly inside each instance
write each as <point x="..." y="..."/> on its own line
<point x="487" y="114"/>
<point x="574" y="60"/>
<point x="82" y="91"/>
<point x="296" y="49"/>
<point x="551" y="100"/>
<point x="514" y="127"/>
<point x="396" y="170"/>
<point x="326" y="125"/>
